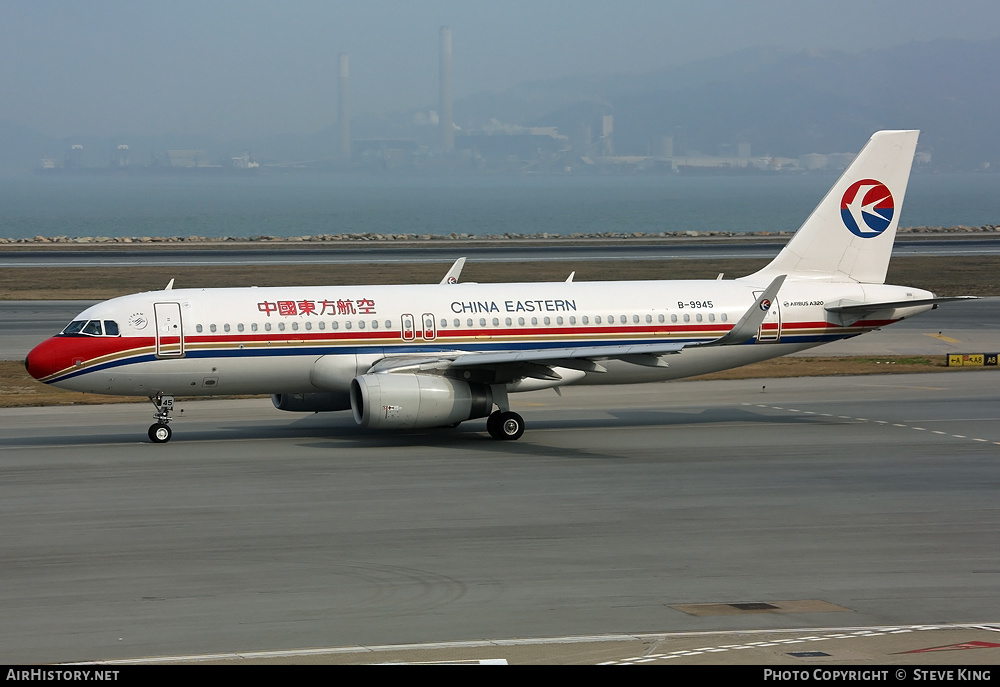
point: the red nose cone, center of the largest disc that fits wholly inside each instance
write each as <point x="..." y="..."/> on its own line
<point x="49" y="357"/>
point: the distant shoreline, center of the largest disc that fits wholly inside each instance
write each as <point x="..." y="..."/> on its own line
<point x="367" y="238"/>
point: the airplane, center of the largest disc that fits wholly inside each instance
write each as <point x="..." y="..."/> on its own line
<point x="432" y="355"/>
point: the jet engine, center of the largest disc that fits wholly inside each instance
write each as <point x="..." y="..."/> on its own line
<point x="414" y="401"/>
<point x="312" y="403"/>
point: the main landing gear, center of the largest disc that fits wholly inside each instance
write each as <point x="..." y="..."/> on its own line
<point x="160" y="432"/>
<point x="505" y="425"/>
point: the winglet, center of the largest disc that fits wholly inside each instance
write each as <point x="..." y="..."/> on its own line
<point x="749" y="324"/>
<point x="454" y="272"/>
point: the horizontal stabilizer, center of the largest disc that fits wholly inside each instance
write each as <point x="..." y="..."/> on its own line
<point x="861" y="308"/>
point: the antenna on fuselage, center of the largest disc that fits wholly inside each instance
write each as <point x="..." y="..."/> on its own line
<point x="169" y="285"/>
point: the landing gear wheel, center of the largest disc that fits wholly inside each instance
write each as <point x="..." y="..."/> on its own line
<point x="506" y="426"/>
<point x="493" y="424"/>
<point x="160" y="433"/>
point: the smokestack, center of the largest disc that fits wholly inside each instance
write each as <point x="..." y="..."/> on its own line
<point x="344" y="109"/>
<point x="444" y="111"/>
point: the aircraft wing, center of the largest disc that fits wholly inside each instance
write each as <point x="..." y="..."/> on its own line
<point x="748" y="325"/>
<point x="544" y="355"/>
<point x="538" y="362"/>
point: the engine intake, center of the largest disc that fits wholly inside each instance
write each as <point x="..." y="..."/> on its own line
<point x="414" y="401"/>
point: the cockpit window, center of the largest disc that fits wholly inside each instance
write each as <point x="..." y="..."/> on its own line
<point x="93" y="328"/>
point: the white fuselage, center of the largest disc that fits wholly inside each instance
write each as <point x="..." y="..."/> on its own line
<point x="268" y="340"/>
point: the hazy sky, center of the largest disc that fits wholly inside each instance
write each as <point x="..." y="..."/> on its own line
<point x="253" y="67"/>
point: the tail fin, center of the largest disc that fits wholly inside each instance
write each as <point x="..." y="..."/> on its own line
<point x="849" y="236"/>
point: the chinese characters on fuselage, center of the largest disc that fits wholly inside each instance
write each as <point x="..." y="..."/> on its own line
<point x="342" y="306"/>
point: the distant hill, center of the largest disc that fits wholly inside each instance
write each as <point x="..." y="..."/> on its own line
<point x="781" y="102"/>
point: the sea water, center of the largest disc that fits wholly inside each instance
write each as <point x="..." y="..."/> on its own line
<point x="288" y="205"/>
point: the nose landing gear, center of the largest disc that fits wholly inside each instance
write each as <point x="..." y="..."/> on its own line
<point x="160" y="432"/>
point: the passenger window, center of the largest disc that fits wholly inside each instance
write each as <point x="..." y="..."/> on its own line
<point x="724" y="318"/>
<point x="496" y="321"/>
<point x="698" y="317"/>
<point x="572" y="320"/>
<point x="559" y="320"/>
<point x="520" y="321"/>
<point x="361" y="324"/>
<point x="198" y="328"/>
<point x="267" y="326"/>
<point x="660" y="318"/>
<point x="334" y="325"/>
<point x="225" y="327"/>
<point x="711" y="317"/>
<point x="649" y="319"/>
<point x="375" y="324"/>
<point x="597" y="319"/>
<point x="482" y="321"/>
<point x="444" y="323"/>
<point x="309" y="326"/>
<point x="253" y="326"/>
<point x="347" y="325"/>
<point x="534" y="321"/>
<point x="508" y="321"/>
<point x="586" y="320"/>
<point x="687" y="318"/>
<point x="321" y="325"/>
<point x="458" y="323"/>
<point x="547" y="320"/>
<point x="673" y="318"/>
<point x="212" y="327"/>
<point x="281" y="326"/>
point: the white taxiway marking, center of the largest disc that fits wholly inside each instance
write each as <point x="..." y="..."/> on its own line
<point x="869" y="421"/>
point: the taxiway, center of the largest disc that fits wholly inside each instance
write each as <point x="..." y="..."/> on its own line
<point x="838" y="502"/>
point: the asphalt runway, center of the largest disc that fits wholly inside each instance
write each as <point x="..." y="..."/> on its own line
<point x="445" y="252"/>
<point x="963" y="327"/>
<point x="867" y="502"/>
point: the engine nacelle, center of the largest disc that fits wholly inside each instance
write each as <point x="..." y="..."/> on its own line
<point x="415" y="401"/>
<point x="312" y="403"/>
